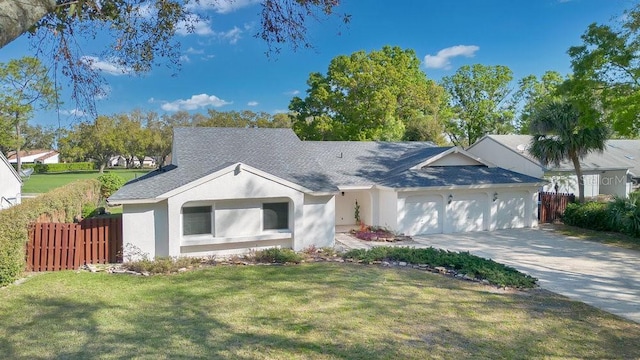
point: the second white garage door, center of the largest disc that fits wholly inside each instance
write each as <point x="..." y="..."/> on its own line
<point x="466" y="212"/>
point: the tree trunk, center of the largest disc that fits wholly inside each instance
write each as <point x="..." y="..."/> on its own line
<point x="16" y="17"/>
<point x="576" y="165"/>
<point x="18" y="145"/>
<point x="103" y="164"/>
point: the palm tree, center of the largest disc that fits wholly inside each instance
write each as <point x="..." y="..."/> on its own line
<point x="559" y="135"/>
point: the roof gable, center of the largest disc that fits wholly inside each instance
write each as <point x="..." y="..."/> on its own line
<point x="452" y="157"/>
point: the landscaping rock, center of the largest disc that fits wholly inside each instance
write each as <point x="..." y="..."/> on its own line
<point x="182" y="270"/>
<point x="402" y="263"/>
<point x="441" y="269"/>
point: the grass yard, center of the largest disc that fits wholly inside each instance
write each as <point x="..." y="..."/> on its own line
<point x="42" y="183"/>
<point x="320" y="311"/>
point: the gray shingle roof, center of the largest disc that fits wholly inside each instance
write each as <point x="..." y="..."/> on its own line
<point x="314" y="165"/>
<point x="437" y="176"/>
<point x="619" y="154"/>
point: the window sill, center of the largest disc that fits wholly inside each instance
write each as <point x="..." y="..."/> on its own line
<point x="210" y="240"/>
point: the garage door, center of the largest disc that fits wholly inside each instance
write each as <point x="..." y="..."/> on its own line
<point x="510" y="210"/>
<point x="466" y="212"/>
<point x="422" y="215"/>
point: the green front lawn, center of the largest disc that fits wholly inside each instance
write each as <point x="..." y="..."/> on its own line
<point x="321" y="311"/>
<point x="42" y="183"/>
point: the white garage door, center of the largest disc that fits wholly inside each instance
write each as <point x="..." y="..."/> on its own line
<point x="466" y="212"/>
<point x="422" y="215"/>
<point x="511" y="210"/>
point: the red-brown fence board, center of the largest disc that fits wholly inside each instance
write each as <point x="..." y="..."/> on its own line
<point x="60" y="246"/>
<point x="552" y="205"/>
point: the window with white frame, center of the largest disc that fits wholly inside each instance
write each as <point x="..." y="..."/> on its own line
<point x="196" y="220"/>
<point x="275" y="216"/>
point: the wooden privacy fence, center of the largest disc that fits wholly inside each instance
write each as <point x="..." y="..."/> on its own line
<point x="551" y="206"/>
<point x="61" y="246"/>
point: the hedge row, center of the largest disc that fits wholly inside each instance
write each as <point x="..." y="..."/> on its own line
<point x="621" y="215"/>
<point x="59" y="205"/>
<point x="62" y="167"/>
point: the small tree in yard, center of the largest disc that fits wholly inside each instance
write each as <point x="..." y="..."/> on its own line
<point x="559" y="135"/>
<point x="110" y="183"/>
<point x="24" y="84"/>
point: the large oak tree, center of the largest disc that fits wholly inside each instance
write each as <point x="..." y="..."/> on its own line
<point x="482" y="102"/>
<point x="380" y="95"/>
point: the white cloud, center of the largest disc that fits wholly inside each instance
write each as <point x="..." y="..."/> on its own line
<point x="195" y="102"/>
<point x="252" y="103"/>
<point x="193" y="51"/>
<point x="292" y="92"/>
<point x="110" y="66"/>
<point x="185" y="59"/>
<point x="442" y="60"/>
<point x="220" y="6"/>
<point x="232" y="35"/>
<point x="194" y="25"/>
<point x="74" y="112"/>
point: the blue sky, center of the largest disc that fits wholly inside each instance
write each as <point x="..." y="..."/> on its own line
<point x="225" y="68"/>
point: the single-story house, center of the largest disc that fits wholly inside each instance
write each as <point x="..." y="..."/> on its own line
<point x="121" y="161"/>
<point x="230" y="189"/>
<point x="35" y="157"/>
<point x="10" y="184"/>
<point x="616" y="171"/>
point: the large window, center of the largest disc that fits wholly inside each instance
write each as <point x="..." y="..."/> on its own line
<point x="196" y="220"/>
<point x="275" y="216"/>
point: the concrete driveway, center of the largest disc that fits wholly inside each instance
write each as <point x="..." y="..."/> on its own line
<point x="603" y="276"/>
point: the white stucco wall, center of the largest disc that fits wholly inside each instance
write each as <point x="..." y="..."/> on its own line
<point x="345" y="207"/>
<point x="387" y="208"/>
<point x="10" y="186"/>
<point x="144" y="230"/>
<point x="504" y="157"/>
<point x="614" y="183"/>
<point x="319" y="222"/>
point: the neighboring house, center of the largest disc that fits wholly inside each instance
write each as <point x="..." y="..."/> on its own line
<point x="229" y="190"/>
<point x="35" y="157"/>
<point x="614" y="172"/>
<point x="121" y="161"/>
<point x="10" y="184"/>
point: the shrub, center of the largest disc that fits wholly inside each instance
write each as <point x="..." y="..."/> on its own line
<point x="624" y="215"/>
<point x="277" y="255"/>
<point x="63" y="167"/>
<point x="591" y="215"/>
<point x="110" y="183"/>
<point x="161" y="265"/>
<point x="61" y="204"/>
<point x="464" y="263"/>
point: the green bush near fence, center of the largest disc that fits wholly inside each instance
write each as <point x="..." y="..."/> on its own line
<point x="620" y="215"/>
<point x="590" y="215"/>
<point x="60" y="205"/>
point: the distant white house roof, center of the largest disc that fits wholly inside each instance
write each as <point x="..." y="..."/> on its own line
<point x="618" y="154"/>
<point x="30" y="156"/>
